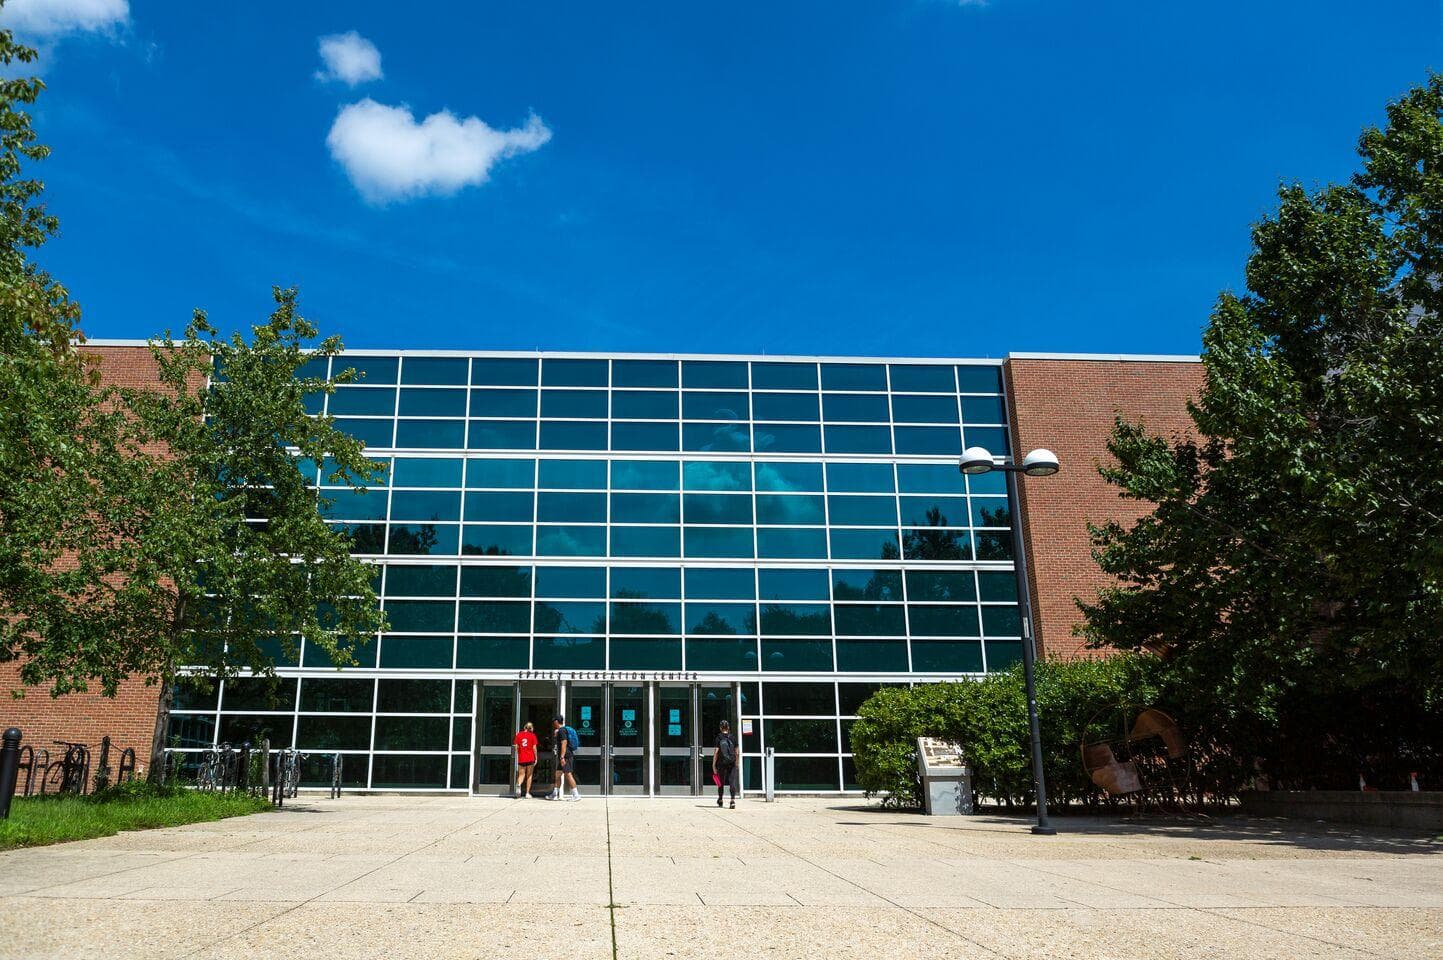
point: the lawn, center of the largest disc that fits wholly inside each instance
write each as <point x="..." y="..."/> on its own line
<point x="36" y="821"/>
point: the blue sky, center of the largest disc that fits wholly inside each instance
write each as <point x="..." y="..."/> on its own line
<point x="913" y="177"/>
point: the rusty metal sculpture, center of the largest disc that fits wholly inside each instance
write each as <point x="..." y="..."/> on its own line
<point x="1137" y="754"/>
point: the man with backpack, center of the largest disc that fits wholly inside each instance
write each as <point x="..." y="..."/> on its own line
<point x="724" y="764"/>
<point x="567" y="743"/>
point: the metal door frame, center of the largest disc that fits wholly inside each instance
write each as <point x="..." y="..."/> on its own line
<point x="643" y="750"/>
<point x="691" y="751"/>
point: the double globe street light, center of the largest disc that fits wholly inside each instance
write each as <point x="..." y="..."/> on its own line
<point x="1038" y="463"/>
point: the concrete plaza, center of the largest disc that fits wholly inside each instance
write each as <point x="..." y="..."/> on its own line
<point x="441" y="877"/>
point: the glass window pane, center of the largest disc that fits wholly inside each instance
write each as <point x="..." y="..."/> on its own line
<point x="573" y="474"/>
<point x="941" y="585"/>
<point x="793" y="584"/>
<point x="441" y="370"/>
<point x="417" y="402"/>
<point x="353" y="504"/>
<point x="334" y="733"/>
<point x="924" y="409"/>
<point x="643" y="436"/>
<point x="372" y="433"/>
<point x="792" y="543"/>
<point x="646" y="541"/>
<point x="589" y="404"/>
<point x="870" y="620"/>
<point x="413" y="696"/>
<point x="929" y="478"/>
<point x="420" y="581"/>
<point x="399" y="771"/>
<point x="368" y="369"/>
<point x="992" y="438"/>
<point x="979" y="379"/>
<point x="572" y="435"/>
<point x="426" y="505"/>
<point x="494" y="540"/>
<point x="258" y="693"/>
<point x="791" y="510"/>
<point x="570" y="541"/>
<point x="495" y="581"/>
<point x="506" y="474"/>
<point x="803" y="736"/>
<point x="643" y="373"/>
<point x="946" y="656"/>
<point x="1001" y="621"/>
<point x="875" y="544"/>
<point x="421" y="616"/>
<point x="937" y="543"/>
<point x="493" y="653"/>
<point x="997" y="585"/>
<point x="1002" y="654"/>
<point x="557" y="617"/>
<point x="796" y="619"/>
<point x="337" y="695"/>
<point x="721" y="584"/>
<point x="949" y="620"/>
<point x="718" y="542"/>
<point x="573" y="373"/>
<point x="495" y="616"/>
<point x="787" y="438"/>
<point x="366" y="538"/>
<point x="436" y="539"/>
<point x="637" y="583"/>
<point x="715" y="438"/>
<point x="914" y="378"/>
<point x="983" y="410"/>
<point x="990" y="512"/>
<point x="850" y="583"/>
<point x="993" y="483"/>
<point x="710" y="374"/>
<point x="867" y="408"/>
<point x="504" y="507"/>
<point x="643" y="404"/>
<point x="789" y="476"/>
<point x="569" y="653"/>
<point x="431" y="434"/>
<point x="934" y="511"/>
<point x="645" y="654"/>
<point x="872" y="656"/>
<point x="785" y="406"/>
<point x="862" y="511"/>
<point x="417" y="653"/>
<point x="717" y="508"/>
<point x="426" y="472"/>
<point x="503" y="403"/>
<point x="720" y="619"/>
<point x="571" y="507"/>
<point x="784" y="376"/>
<point x="503" y="372"/>
<point x="502" y="435"/>
<point x="645" y="475"/>
<point x="646" y="618"/>
<point x="716" y="475"/>
<point x="571" y="581"/>
<point x="645" y="508"/>
<point x="714" y="406"/>
<point x="796" y="654"/>
<point x="854" y="376"/>
<point x="363" y="402"/>
<point x="859" y="477"/>
<point x="858" y="439"/>
<point x="721" y="653"/>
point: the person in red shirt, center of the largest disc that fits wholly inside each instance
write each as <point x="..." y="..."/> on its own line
<point x="525" y="743"/>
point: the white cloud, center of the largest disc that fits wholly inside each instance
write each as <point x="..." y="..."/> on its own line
<point x="51" y="18"/>
<point x="350" y="58"/>
<point x="389" y="156"/>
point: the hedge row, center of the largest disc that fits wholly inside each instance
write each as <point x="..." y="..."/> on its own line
<point x="988" y="717"/>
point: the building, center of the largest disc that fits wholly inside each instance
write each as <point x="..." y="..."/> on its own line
<point x="650" y="544"/>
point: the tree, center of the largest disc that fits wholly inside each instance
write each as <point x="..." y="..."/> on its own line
<point x="1291" y="569"/>
<point x="232" y="546"/>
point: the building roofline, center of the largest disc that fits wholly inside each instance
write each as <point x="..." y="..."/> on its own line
<point x="1111" y="357"/>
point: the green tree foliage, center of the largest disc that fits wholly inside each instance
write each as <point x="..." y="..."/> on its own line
<point x="988" y="717"/>
<point x="1291" y="570"/>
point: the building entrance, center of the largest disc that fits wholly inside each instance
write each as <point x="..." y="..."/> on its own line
<point x="637" y="739"/>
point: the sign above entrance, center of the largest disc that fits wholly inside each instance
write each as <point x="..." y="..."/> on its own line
<point x="606" y="675"/>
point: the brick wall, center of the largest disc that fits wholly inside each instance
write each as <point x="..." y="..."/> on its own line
<point x="129" y="718"/>
<point x="1068" y="406"/>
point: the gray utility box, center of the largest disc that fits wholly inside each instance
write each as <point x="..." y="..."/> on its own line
<point x="946" y="778"/>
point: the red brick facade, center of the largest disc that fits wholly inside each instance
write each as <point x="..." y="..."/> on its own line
<point x="129" y="718"/>
<point x="1068" y="406"/>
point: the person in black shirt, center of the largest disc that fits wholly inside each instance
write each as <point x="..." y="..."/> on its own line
<point x="724" y="764"/>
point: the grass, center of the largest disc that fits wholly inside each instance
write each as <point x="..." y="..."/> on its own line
<point x="36" y="821"/>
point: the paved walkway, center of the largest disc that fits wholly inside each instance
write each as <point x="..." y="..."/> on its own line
<point x="439" y="877"/>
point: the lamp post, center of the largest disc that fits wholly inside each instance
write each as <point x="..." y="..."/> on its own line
<point x="1038" y="463"/>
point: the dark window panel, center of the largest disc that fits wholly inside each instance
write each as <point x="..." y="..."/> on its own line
<point x="864" y="545"/>
<point x="791" y="510"/>
<point x="571" y="507"/>
<point x="503" y="372"/>
<point x="717" y="508"/>
<point x="937" y="543"/>
<point x="503" y="403"/>
<point x="446" y="371"/>
<point x="643" y="373"/>
<point x="495" y="616"/>
<point x="850" y="583"/>
<point x="372" y="433"/>
<point x="646" y="541"/>
<point x="643" y="404"/>
<point x="714" y="374"/>
<point x="313" y="403"/>
<point x="334" y="733"/>
<point x="802" y="736"/>
<point x="250" y="728"/>
<point x="870" y="620"/>
<point x="431" y="434"/>
<point x="914" y="378"/>
<point x="721" y="584"/>
<point x="720" y="619"/>
<point x="796" y="654"/>
<point x="716" y="475"/>
<point x="644" y="436"/>
<point x="787" y="438"/>
<point x="784" y="376"/>
<point x="502" y="507"/>
<point x="648" y="619"/>
<point x="806" y="773"/>
<point x="645" y="508"/>
<point x="637" y="583"/>
<point x="495" y="581"/>
<point x="363" y="402"/>
<point x="934" y="511"/>
<point x="858" y="439"/>
<point x="570" y="541"/>
<point x="983" y="410"/>
<point x="573" y="373"/>
<point x="862" y="407"/>
<point x="573" y="474"/>
<point x="792" y="543"/>
<point x="997" y="585"/>
<point x="946" y="656"/>
<point x="928" y="441"/>
<point x="645" y="475"/>
<point x="789" y="477"/>
<point x="854" y="376"/>
<point x="416" y="402"/>
<point x="421" y="616"/>
<point x="979" y="379"/>
<point x="718" y="542"/>
<point x="258" y="693"/>
<point x="785" y="406"/>
<point x="721" y="653"/>
<point x="496" y="540"/>
<point x="572" y="435"/>
<point x="586" y="404"/>
<point x="413" y="696"/>
<point x="461" y="699"/>
<point x="793" y="584"/>
<point x="569" y="653"/>
<point x="950" y="620"/>
<point x="412" y="733"/>
<point x="796" y="619"/>
<point x="850" y="696"/>
<point x="571" y="581"/>
<point x="715" y="438"/>
<point x="502" y="435"/>
<point x="651" y="653"/>
<point x="1001" y="621"/>
<point x="994" y="439"/>
<point x="424" y="539"/>
<point x="416" y="653"/>
<point x="955" y="585"/>
<point x="924" y="409"/>
<point x="930" y="478"/>
<point x="337" y="695"/>
<point x="493" y="653"/>
<point x="859" y="478"/>
<point x="423" y="505"/>
<point x="362" y="652"/>
<point x="426" y="472"/>
<point x="992" y="483"/>
<point x="847" y="510"/>
<point x="697" y="405"/>
<point x="1002" y="654"/>
<point x="352" y="504"/>
<point x="371" y="370"/>
<point x="421" y="581"/>
<point x="403" y="772"/>
<point x="990" y="512"/>
<point x="314" y="368"/>
<point x="994" y="545"/>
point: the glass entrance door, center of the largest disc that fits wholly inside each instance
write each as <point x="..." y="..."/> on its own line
<point x="493" y="766"/>
<point x="715" y="704"/>
<point x="627" y="750"/>
<point x="676" y="738"/>
<point x="538" y="707"/>
<point x="586" y="712"/>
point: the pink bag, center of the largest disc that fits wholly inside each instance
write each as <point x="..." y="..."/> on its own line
<point x="716" y="779"/>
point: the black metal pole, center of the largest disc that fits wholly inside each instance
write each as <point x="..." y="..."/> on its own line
<point x="9" y="769"/>
<point x="1024" y="598"/>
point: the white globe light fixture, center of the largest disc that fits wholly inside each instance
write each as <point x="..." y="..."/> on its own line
<point x="1040" y="463"/>
<point x="976" y="460"/>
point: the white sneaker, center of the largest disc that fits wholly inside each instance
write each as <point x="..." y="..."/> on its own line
<point x="574" y="796"/>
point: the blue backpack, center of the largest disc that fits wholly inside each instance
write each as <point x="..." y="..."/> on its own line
<point x="573" y="742"/>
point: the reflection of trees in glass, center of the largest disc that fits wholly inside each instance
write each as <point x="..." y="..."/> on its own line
<point x="551" y="620"/>
<point x="639" y="617"/>
<point x="881" y="585"/>
<point x="488" y="550"/>
<point x="367" y="537"/>
<point x="413" y="539"/>
<point x="715" y="625"/>
<point x="1001" y="517"/>
<point x="937" y="541"/>
<point x="780" y="620"/>
<point x="994" y="546"/>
